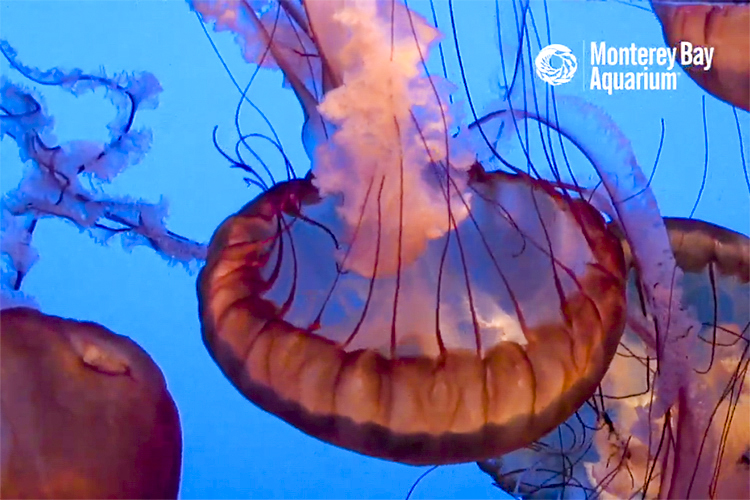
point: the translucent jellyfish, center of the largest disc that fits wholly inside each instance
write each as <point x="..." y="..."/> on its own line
<point x="401" y="301"/>
<point x="616" y="446"/>
<point x="84" y="413"/>
<point x="714" y="35"/>
<point x="300" y="282"/>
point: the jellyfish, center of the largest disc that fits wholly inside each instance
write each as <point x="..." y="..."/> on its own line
<point x="719" y="30"/>
<point x="85" y="413"/>
<point x="402" y="301"/>
<point x="627" y="441"/>
<point x="615" y="447"/>
<point x="705" y="447"/>
<point x="300" y="280"/>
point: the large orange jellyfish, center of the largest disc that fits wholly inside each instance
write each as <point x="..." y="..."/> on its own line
<point x="616" y="446"/>
<point x="84" y="413"/>
<point x="411" y="305"/>
<point x="381" y="302"/>
<point x="721" y="26"/>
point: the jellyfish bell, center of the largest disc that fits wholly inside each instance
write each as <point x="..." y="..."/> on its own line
<point x="400" y="301"/>
<point x="410" y="366"/>
<point x="616" y="446"/>
<point x="84" y="413"/>
<point x="720" y="26"/>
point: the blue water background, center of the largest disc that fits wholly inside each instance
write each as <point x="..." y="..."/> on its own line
<point x="231" y="448"/>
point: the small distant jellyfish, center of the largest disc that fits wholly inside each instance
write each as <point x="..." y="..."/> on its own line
<point x="719" y="26"/>
<point x="401" y="301"/>
<point x="84" y="413"/>
<point x="617" y="446"/>
<point x="699" y="448"/>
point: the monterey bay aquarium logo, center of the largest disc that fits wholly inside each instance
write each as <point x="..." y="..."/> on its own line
<point x="626" y="68"/>
<point x="556" y="64"/>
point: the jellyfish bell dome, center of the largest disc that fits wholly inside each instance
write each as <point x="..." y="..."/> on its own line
<point x="84" y="413"/>
<point x="708" y="455"/>
<point x="494" y="335"/>
<point x="721" y="26"/>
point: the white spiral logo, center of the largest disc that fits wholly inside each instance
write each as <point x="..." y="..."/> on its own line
<point x="564" y="68"/>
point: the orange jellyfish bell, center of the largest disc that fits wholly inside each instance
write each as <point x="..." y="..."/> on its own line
<point x="84" y="413"/>
<point x="490" y="338"/>
<point x="721" y="27"/>
<point x="706" y="434"/>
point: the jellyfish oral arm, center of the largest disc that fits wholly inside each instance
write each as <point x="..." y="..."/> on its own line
<point x="55" y="183"/>
<point x="286" y="43"/>
<point x="376" y="123"/>
<point x="636" y="211"/>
